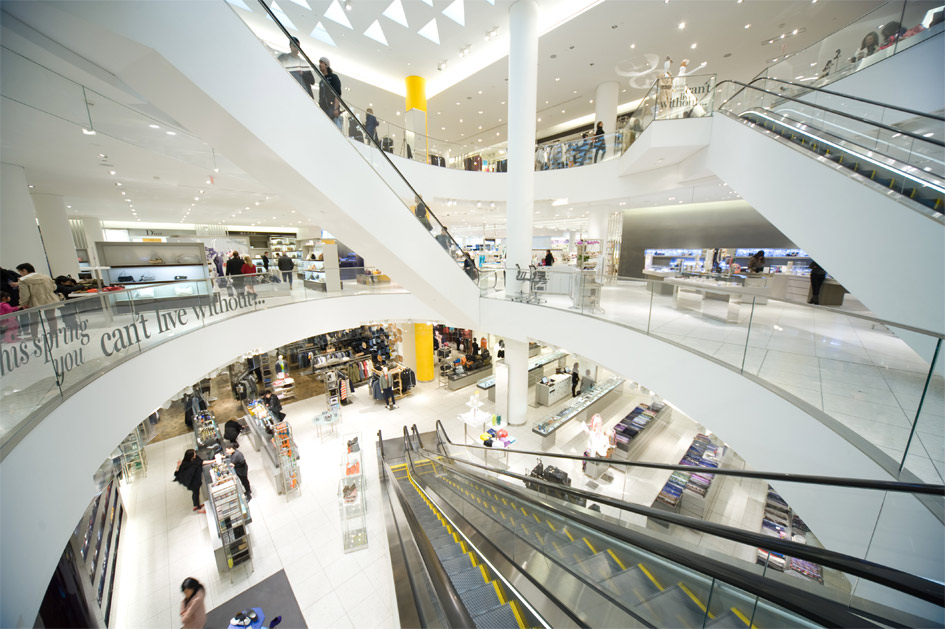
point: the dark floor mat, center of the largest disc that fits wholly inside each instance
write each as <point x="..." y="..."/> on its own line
<point x="274" y="595"/>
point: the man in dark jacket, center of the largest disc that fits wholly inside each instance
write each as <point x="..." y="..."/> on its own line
<point x="265" y="260"/>
<point x="274" y="405"/>
<point x="234" y="270"/>
<point x="329" y="91"/>
<point x="286" y="266"/>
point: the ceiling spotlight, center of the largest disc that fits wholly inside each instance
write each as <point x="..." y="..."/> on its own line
<point x="216" y="170"/>
<point x="442" y="65"/>
<point x="347" y="5"/>
<point x="88" y="131"/>
<point x="31" y="186"/>
<point x="112" y="172"/>
<point x="693" y="46"/>
<point x="117" y="183"/>
<point x="69" y="207"/>
<point x="747" y="26"/>
<point x="682" y="25"/>
<point x="632" y="46"/>
<point x="102" y="155"/>
<point x="171" y="132"/>
<point x="154" y="126"/>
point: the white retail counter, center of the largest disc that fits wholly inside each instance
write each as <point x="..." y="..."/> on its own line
<point x="557" y="388"/>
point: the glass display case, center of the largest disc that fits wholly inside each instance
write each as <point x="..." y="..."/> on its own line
<point x="581" y="403"/>
<point x="351" y="498"/>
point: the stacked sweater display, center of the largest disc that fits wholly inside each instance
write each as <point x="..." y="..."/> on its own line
<point x="780" y="522"/>
<point x="701" y="453"/>
<point x="632" y="425"/>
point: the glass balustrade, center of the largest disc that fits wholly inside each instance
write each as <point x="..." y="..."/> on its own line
<point x="49" y="352"/>
<point x="874" y="377"/>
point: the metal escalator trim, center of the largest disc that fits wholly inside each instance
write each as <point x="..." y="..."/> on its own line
<point x="695" y="599"/>
<point x="650" y="577"/>
<point x="743" y="618"/>
<point x="616" y="558"/>
<point x="589" y="545"/>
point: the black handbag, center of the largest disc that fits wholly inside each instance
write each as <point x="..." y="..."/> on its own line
<point x="126" y="278"/>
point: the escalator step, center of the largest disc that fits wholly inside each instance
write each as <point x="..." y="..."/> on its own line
<point x="481" y="599"/>
<point x="501" y="617"/>
<point x="467" y="580"/>
<point x="728" y="620"/>
<point x="672" y="608"/>
<point x="445" y="553"/>
<point x="575" y="551"/>
<point x="458" y="564"/>
<point x="631" y="584"/>
<point x="441" y="541"/>
<point x="599" y="567"/>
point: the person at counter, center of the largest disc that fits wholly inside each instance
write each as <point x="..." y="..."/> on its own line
<point x="239" y="467"/>
<point x="575" y="380"/>
<point x="189" y="473"/>
<point x="231" y="430"/>
<point x="549" y="259"/>
<point x="587" y="382"/>
<point x="817" y="277"/>
<point x="274" y="404"/>
<point x="757" y="262"/>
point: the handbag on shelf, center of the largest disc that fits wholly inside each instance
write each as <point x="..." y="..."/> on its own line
<point x="156" y="259"/>
<point x="126" y="278"/>
<point x="147" y="276"/>
<point x="184" y="259"/>
<point x="187" y="289"/>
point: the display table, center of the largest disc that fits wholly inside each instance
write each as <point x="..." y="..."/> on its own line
<point x="798" y="289"/>
<point x="371" y="279"/>
<point x="655" y="283"/>
<point x="536" y="370"/>
<point x="729" y="293"/>
<point x="584" y="406"/>
<point x="556" y="389"/>
<point x="455" y="382"/>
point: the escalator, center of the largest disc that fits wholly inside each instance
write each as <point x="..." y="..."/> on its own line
<point x="516" y="558"/>
<point x="849" y="181"/>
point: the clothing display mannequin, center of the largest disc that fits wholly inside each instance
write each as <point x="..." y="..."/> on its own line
<point x="281" y="369"/>
<point x="387" y="386"/>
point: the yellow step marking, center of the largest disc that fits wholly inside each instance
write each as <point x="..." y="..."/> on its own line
<point x="550" y="525"/>
<point x="589" y="545"/>
<point x="518" y="614"/>
<point x="397" y="468"/>
<point x="505" y="502"/>
<point x="557" y="548"/>
<point x="502" y="513"/>
<point x="695" y="599"/>
<point x="485" y="576"/>
<point x="524" y="512"/>
<point x="493" y="509"/>
<point x="498" y="592"/>
<point x="651" y="577"/>
<point x="616" y="558"/>
<point x="743" y="618"/>
<point x="568" y="533"/>
<point x="537" y="519"/>
<point x="524" y="528"/>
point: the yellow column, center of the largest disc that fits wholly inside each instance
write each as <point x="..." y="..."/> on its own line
<point x="423" y="342"/>
<point x="416" y="99"/>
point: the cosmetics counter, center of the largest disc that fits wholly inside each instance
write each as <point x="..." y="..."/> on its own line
<point x="207" y="438"/>
<point x="275" y="439"/>
<point x="592" y="401"/>
<point x="227" y="514"/>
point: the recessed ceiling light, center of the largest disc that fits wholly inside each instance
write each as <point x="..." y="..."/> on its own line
<point x="747" y="25"/>
<point x="69" y="206"/>
<point x="117" y="183"/>
<point x="693" y="46"/>
<point x="112" y="172"/>
<point x="682" y="25"/>
<point x="171" y="132"/>
<point x="31" y="186"/>
<point x="102" y="155"/>
<point x="562" y="111"/>
<point x="88" y="131"/>
<point x="154" y="126"/>
<point x="632" y="46"/>
<point x="557" y="78"/>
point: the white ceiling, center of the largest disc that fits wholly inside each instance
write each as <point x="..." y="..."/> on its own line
<point x="577" y="51"/>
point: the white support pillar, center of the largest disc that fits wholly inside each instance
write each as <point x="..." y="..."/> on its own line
<point x="93" y="234"/>
<point x="523" y="90"/>
<point x="605" y="110"/>
<point x="516" y="358"/>
<point x="56" y="234"/>
<point x="19" y="234"/>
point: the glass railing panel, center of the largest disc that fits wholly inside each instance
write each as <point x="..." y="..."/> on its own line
<point x="689" y="96"/>
<point x="922" y="397"/>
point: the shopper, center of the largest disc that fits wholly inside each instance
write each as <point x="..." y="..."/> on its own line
<point x="370" y="123"/>
<point x="297" y="67"/>
<point x="444" y="238"/>
<point x="234" y="270"/>
<point x="474" y="347"/>
<point x="239" y="467"/>
<point x="249" y="270"/>
<point x="757" y="262"/>
<point x="483" y="343"/>
<point x="193" y="615"/>
<point x="587" y="382"/>
<point x="501" y="351"/>
<point x="265" y="261"/>
<point x="549" y="259"/>
<point x="9" y="326"/>
<point x="232" y="430"/>
<point x="286" y="265"/>
<point x="817" y="277"/>
<point x="329" y="91"/>
<point x="189" y="473"/>
<point x="420" y="210"/>
<point x="10" y="283"/>
<point x="65" y="286"/>
<point x="38" y="290"/>
<point x="600" y="146"/>
<point x="575" y="380"/>
<point x="274" y="404"/>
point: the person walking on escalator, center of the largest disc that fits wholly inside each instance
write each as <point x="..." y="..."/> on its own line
<point x="817" y="277"/>
<point x="297" y="67"/>
<point x="329" y="92"/>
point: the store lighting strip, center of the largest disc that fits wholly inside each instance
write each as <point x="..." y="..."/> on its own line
<point x="922" y="183"/>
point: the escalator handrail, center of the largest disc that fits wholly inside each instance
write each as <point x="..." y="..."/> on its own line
<point x="353" y="117"/>
<point x="904" y="582"/>
<point x="833" y="481"/>
<point x="453" y="606"/>
<point x="851" y="97"/>
<point x="837" y="112"/>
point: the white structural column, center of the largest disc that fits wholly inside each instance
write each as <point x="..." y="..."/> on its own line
<point x="605" y="110"/>
<point x="56" y="234"/>
<point x="93" y="234"/>
<point x="19" y="236"/>
<point x="523" y="86"/>
<point x="516" y="358"/>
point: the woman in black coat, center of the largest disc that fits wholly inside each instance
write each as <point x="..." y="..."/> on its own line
<point x="190" y="474"/>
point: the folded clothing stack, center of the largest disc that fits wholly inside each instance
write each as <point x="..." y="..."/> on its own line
<point x="808" y="569"/>
<point x="673" y="489"/>
<point x="775" y="560"/>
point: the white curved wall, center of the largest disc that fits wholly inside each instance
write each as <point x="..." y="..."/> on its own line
<point x="46" y="481"/>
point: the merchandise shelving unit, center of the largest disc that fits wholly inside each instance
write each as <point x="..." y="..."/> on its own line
<point x="206" y="432"/>
<point x="283" y="388"/>
<point x="229" y="515"/>
<point x="94" y="550"/>
<point x="132" y="456"/>
<point x="323" y="273"/>
<point x="290" y="476"/>
<point x="588" y="403"/>
<point x="152" y="271"/>
<point x="351" y="498"/>
<point x="284" y="244"/>
<point x="396" y="373"/>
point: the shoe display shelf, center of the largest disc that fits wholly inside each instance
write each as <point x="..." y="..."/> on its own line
<point x="351" y="497"/>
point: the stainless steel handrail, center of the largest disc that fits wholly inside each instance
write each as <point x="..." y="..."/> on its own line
<point x="810" y="479"/>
